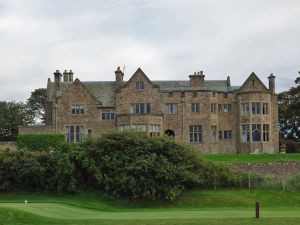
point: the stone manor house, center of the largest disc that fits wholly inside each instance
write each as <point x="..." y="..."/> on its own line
<point x="212" y="115"/>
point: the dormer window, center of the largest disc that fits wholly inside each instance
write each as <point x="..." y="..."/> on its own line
<point x="139" y="85"/>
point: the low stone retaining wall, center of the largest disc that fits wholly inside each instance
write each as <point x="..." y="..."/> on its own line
<point x="35" y="129"/>
<point x="8" y="144"/>
<point x="280" y="170"/>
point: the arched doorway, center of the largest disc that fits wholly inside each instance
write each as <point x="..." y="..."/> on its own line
<point x="170" y="133"/>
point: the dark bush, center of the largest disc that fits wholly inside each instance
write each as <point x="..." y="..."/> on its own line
<point x="19" y="170"/>
<point x="8" y="138"/>
<point x="36" y="171"/>
<point x="134" y="166"/>
<point x="292" y="146"/>
<point x="123" y="164"/>
<point x="40" y="142"/>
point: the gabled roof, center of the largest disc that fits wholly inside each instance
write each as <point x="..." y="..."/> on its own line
<point x="250" y="79"/>
<point x="102" y="91"/>
<point x="137" y="72"/>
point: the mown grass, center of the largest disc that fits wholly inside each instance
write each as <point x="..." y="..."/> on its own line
<point x="253" y="158"/>
<point x="18" y="217"/>
<point x="193" y="199"/>
<point x="225" y="206"/>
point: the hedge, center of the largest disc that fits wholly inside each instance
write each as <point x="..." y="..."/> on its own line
<point x="40" y="142"/>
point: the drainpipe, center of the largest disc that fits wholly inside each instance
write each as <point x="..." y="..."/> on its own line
<point x="55" y="118"/>
<point x="182" y="116"/>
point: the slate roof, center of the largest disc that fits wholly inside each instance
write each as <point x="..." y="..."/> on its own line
<point x="184" y="85"/>
<point x="104" y="91"/>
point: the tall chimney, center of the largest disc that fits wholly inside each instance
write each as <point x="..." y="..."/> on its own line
<point x="119" y="78"/>
<point x="272" y="83"/>
<point x="71" y="76"/>
<point x="197" y="80"/>
<point x="57" y="79"/>
<point x="66" y="76"/>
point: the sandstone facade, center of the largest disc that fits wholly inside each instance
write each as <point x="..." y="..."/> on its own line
<point x="213" y="116"/>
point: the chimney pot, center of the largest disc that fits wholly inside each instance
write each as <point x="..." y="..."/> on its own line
<point x="272" y="83"/>
<point x="119" y="78"/>
<point x="71" y="76"/>
<point x="197" y="80"/>
<point x="57" y="78"/>
<point x="66" y="76"/>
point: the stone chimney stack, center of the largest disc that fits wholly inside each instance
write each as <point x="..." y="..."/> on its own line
<point x="57" y="79"/>
<point x="197" y="80"/>
<point x="272" y="83"/>
<point x="119" y="77"/>
<point x="66" y="76"/>
<point x="71" y="76"/>
<point x="228" y="82"/>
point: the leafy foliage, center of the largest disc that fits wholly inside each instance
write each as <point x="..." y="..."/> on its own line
<point x="40" y="142"/>
<point x="35" y="171"/>
<point x="125" y="165"/>
<point x="12" y="115"/>
<point x="134" y="166"/>
<point x="37" y="102"/>
<point x="293" y="182"/>
<point x="289" y="112"/>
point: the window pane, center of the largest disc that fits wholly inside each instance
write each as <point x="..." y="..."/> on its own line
<point x="67" y="134"/>
<point x="71" y="134"/>
<point x="142" y="108"/>
<point x="77" y="134"/>
<point x="148" y="108"/>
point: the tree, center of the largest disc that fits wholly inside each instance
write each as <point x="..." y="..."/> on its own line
<point x="289" y="112"/>
<point x="12" y="115"/>
<point x="36" y="102"/>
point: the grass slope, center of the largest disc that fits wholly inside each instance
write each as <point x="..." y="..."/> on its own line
<point x="253" y="158"/>
<point x="195" y="207"/>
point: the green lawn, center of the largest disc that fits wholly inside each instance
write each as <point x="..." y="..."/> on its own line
<point x="253" y="158"/>
<point x="195" y="207"/>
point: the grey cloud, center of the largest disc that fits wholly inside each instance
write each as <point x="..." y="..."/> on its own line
<point x="169" y="39"/>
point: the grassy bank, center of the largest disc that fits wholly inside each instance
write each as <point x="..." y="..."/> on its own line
<point x="197" y="199"/>
<point x="194" y="207"/>
<point x="253" y="158"/>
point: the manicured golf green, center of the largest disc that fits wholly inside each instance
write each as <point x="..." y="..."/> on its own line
<point x="195" y="207"/>
<point x="64" y="211"/>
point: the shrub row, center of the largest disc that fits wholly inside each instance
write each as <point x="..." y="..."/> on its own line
<point x="22" y="170"/>
<point x="123" y="164"/>
<point x="40" y="142"/>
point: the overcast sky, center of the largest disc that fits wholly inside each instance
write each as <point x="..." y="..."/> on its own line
<point x="168" y="39"/>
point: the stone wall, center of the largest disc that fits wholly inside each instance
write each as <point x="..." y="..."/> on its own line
<point x="35" y="129"/>
<point x="280" y="170"/>
<point x="8" y="144"/>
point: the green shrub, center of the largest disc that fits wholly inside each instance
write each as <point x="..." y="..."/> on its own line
<point x="131" y="165"/>
<point x="22" y="170"/>
<point x="271" y="182"/>
<point x="292" y="146"/>
<point x="19" y="170"/>
<point x="134" y="166"/>
<point x="40" y="142"/>
<point x="293" y="182"/>
<point x="216" y="175"/>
